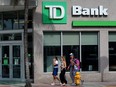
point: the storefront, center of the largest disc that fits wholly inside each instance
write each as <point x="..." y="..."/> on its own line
<point x="86" y="28"/>
<point x="55" y="28"/>
<point x="12" y="66"/>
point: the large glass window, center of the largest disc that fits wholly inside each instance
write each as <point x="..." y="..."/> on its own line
<point x="8" y="21"/>
<point x="64" y="43"/>
<point x="89" y="45"/>
<point x="112" y="51"/>
<point x="70" y="45"/>
<point x="52" y="48"/>
<point x="14" y="20"/>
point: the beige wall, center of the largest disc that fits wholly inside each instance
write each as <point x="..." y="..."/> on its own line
<point x="101" y="75"/>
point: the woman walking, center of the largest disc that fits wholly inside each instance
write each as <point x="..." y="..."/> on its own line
<point x="55" y="70"/>
<point x="63" y="70"/>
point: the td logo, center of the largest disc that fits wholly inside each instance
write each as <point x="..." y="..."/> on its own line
<point x="54" y="12"/>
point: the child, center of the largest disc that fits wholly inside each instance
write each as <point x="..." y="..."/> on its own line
<point x="55" y="70"/>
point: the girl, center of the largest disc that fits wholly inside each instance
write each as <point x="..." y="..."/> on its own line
<point x="63" y="70"/>
<point x="55" y="70"/>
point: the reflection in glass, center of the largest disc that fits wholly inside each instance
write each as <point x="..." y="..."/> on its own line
<point x="49" y="53"/>
<point x="89" y="58"/>
<point x="88" y="48"/>
<point x="10" y="20"/>
<point x="9" y="37"/>
<point x="112" y="56"/>
<point x="52" y="48"/>
<point x="16" y="61"/>
<point x="5" y="71"/>
<point x="112" y="51"/>
<point x="71" y="49"/>
<point x="5" y="61"/>
<point x="14" y="20"/>
<point x="71" y="45"/>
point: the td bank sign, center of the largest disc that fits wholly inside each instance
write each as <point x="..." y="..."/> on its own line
<point x="56" y="13"/>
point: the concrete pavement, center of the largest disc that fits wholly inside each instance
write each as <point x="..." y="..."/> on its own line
<point x="86" y="84"/>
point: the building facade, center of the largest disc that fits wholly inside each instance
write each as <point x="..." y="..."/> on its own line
<point x="84" y="27"/>
<point x="55" y="28"/>
<point x="12" y="66"/>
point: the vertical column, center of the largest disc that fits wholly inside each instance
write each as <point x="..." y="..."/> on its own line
<point x="103" y="61"/>
<point x="38" y="43"/>
<point x="38" y="56"/>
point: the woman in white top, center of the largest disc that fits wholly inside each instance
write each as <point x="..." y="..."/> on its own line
<point x="55" y="70"/>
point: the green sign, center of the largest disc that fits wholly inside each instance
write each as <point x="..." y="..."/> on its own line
<point x="54" y="12"/>
<point x="94" y="23"/>
<point x="5" y="61"/>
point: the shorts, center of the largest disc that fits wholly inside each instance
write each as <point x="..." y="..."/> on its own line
<point x="55" y="72"/>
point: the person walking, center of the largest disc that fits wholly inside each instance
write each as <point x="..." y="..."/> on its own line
<point x="55" y="70"/>
<point x="63" y="71"/>
<point x="73" y="67"/>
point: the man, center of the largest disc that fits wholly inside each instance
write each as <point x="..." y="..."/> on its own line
<point x="74" y="67"/>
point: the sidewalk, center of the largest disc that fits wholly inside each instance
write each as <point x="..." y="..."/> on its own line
<point x="86" y="84"/>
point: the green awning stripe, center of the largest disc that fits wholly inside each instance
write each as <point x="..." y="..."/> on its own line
<point x="94" y="23"/>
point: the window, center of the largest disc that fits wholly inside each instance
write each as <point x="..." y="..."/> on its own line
<point x="8" y="21"/>
<point x="14" y="20"/>
<point x="89" y="45"/>
<point x="112" y="51"/>
<point x="52" y="48"/>
<point x="70" y="45"/>
<point x="11" y="37"/>
<point x="64" y="43"/>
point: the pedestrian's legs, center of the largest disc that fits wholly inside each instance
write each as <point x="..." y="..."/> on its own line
<point x="72" y="75"/>
<point x="61" y="76"/>
<point x="57" y="78"/>
<point x="64" y="77"/>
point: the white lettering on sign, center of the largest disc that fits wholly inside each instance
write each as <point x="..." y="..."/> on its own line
<point x="53" y="12"/>
<point x="78" y="10"/>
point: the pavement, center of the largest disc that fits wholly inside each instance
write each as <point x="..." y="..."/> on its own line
<point x="85" y="84"/>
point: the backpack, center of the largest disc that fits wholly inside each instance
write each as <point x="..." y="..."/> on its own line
<point x="77" y="68"/>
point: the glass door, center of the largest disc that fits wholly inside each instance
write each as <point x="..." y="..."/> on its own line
<point x="5" y="62"/>
<point x="12" y="63"/>
<point x="16" y="61"/>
